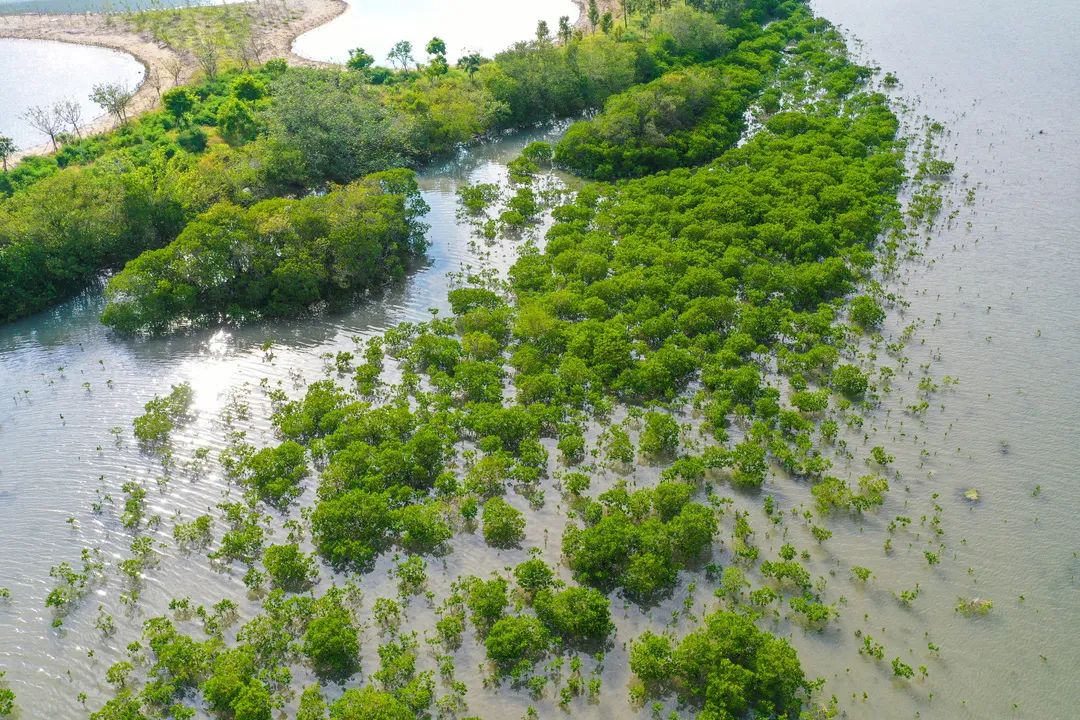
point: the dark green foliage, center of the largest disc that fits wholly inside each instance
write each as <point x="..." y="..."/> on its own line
<point x="539" y="80"/>
<point x="278" y="257"/>
<point x="331" y="642"/>
<point x="56" y="235"/>
<point x="639" y="541"/>
<point x="576" y="615"/>
<point x="728" y="668"/>
<point x="504" y="525"/>
<point x="192" y="139"/>
<point x="514" y="640"/>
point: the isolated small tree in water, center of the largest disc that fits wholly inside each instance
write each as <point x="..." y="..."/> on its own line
<point x="115" y="98"/>
<point x="45" y="121"/>
<point x="7" y="149"/>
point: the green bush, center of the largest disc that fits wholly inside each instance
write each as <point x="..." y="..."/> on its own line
<point x="729" y="668"/>
<point x="504" y="525"/>
<point x="515" y="639"/>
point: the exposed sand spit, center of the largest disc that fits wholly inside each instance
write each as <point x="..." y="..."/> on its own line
<point x="275" y="26"/>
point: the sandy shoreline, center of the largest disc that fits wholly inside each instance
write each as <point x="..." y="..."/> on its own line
<point x="111" y="31"/>
<point x="583" y="12"/>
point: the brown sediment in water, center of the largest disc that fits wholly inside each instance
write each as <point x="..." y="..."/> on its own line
<point x="286" y="21"/>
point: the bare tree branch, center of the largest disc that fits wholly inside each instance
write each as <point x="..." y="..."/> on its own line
<point x="69" y="112"/>
<point x="44" y="121"/>
<point x="175" y="67"/>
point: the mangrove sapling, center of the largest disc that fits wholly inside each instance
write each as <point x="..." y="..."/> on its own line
<point x="7" y="699"/>
<point x="476" y="199"/>
<point x="514" y="644"/>
<point x="411" y="574"/>
<point x="973" y="607"/>
<point x="387" y="613"/>
<point x="610" y="311"/>
<point x="153" y="428"/>
<point x="331" y="641"/>
<point x="901" y="669"/>
<point x="289" y="568"/>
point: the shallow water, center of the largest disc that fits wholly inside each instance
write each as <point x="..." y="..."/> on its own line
<point x="1001" y="314"/>
<point x="1001" y="76"/>
<point x="38" y="72"/>
<point x="484" y="26"/>
<point x="56" y="451"/>
<point x="82" y="6"/>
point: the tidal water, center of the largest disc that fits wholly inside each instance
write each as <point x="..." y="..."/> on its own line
<point x="484" y="26"/>
<point x="42" y="73"/>
<point x="107" y="6"/>
<point x="1002" y="313"/>
<point x="995" y="296"/>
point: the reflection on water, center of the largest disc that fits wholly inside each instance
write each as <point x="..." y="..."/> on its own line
<point x="65" y="381"/>
<point x="37" y="72"/>
<point x="1000" y="312"/>
<point x="484" y="26"/>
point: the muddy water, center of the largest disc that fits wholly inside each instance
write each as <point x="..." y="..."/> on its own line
<point x="996" y="306"/>
<point x="1001" y="310"/>
<point x="66" y="381"/>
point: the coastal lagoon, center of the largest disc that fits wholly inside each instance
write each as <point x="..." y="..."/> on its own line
<point x="994" y="300"/>
<point x="39" y="72"/>
<point x="484" y="26"/>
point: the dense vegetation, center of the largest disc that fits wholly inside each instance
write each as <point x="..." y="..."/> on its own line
<point x="685" y="328"/>
<point x="729" y="668"/>
<point x="278" y="256"/>
<point x="687" y="116"/>
<point x="244" y="137"/>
